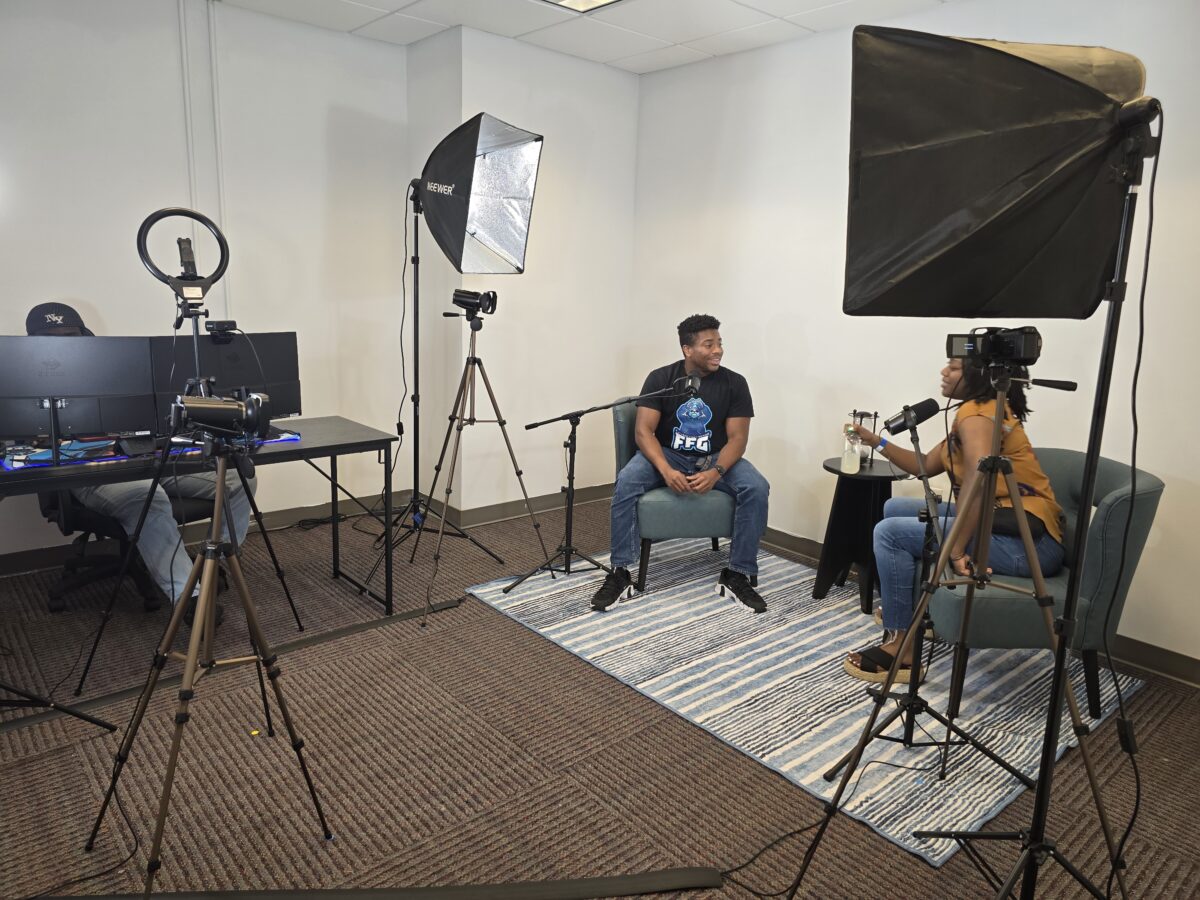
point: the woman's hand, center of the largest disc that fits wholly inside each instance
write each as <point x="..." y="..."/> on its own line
<point x="866" y="435"/>
<point x="962" y="566"/>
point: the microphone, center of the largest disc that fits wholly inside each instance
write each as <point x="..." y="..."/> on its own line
<point x="686" y="384"/>
<point x="911" y="416"/>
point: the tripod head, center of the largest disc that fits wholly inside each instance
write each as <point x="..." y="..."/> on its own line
<point x="228" y="425"/>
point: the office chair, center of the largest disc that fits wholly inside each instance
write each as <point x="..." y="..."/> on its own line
<point x="72" y="517"/>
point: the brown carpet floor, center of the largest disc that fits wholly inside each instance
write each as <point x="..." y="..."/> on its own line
<point x="473" y="751"/>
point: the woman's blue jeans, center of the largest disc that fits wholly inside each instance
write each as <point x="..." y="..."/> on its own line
<point x="899" y="538"/>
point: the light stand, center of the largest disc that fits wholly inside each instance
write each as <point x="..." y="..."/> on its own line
<point x="475" y="194"/>
<point x="418" y="506"/>
<point x="1036" y="848"/>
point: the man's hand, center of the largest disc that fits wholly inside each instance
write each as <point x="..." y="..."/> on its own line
<point x="702" y="482"/>
<point x="676" y="481"/>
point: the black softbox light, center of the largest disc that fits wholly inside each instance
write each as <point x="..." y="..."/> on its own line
<point x="982" y="175"/>
<point x="477" y="193"/>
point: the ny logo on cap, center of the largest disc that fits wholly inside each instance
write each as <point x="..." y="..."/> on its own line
<point x="54" y="319"/>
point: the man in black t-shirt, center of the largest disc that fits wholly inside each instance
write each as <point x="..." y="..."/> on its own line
<point x="692" y="444"/>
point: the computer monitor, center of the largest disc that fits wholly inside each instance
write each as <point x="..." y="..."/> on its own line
<point x="233" y="365"/>
<point x="103" y="383"/>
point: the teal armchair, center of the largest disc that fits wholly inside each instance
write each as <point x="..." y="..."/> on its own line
<point x="1003" y="619"/>
<point x="663" y="514"/>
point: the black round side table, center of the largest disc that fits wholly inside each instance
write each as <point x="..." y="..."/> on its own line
<point x="857" y="506"/>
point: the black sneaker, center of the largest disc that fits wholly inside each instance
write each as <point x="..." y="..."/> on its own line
<point x="616" y="583"/>
<point x="741" y="587"/>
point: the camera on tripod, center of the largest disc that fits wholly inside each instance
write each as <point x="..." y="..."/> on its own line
<point x="475" y="302"/>
<point x="235" y="418"/>
<point x="1015" y="346"/>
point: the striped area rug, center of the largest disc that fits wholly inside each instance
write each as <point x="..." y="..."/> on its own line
<point x="772" y="685"/>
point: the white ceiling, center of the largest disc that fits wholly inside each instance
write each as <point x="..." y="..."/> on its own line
<point x="636" y="35"/>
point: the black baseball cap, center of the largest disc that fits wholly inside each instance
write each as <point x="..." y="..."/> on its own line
<point x="48" y="318"/>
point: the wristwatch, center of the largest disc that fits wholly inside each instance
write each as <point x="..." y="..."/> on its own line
<point x="720" y="469"/>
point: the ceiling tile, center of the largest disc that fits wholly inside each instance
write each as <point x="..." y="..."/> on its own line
<point x="400" y="29"/>
<point x="678" y="21"/>
<point x="340" y="15"/>
<point x="589" y="39"/>
<point x="858" y="12"/>
<point x="785" y="7"/>
<point x="663" y="58"/>
<point x="504" y="17"/>
<point x="774" y="31"/>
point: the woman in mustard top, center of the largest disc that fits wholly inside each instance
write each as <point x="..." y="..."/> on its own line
<point x="899" y="536"/>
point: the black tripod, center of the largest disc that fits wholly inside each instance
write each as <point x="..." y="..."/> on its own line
<point x="982" y="487"/>
<point x="36" y="701"/>
<point x="199" y="661"/>
<point x="910" y="703"/>
<point x="418" y="507"/>
<point x="567" y="548"/>
<point x="462" y="415"/>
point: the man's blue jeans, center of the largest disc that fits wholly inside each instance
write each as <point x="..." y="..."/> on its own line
<point x="743" y="482"/>
<point x="899" y="537"/>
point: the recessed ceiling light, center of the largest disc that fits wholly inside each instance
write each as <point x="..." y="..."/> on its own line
<point x="583" y="6"/>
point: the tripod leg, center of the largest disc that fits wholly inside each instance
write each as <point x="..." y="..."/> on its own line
<point x="234" y="551"/>
<point x="1081" y="730"/>
<point x="262" y="529"/>
<point x="36" y="701"/>
<point x="208" y="593"/>
<point x="1077" y="875"/>
<point x="456" y="413"/>
<point x="537" y="526"/>
<point x="909" y="636"/>
<point x="961" y="651"/>
<point x="262" y="689"/>
<point x="1025" y="859"/>
<point x="156" y="667"/>
<point x="457" y="427"/>
<point x="271" y="661"/>
<point x="879" y="729"/>
<point x="125" y="560"/>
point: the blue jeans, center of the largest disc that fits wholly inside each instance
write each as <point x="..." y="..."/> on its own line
<point x="743" y="482"/>
<point x="161" y="549"/>
<point x="899" y="537"/>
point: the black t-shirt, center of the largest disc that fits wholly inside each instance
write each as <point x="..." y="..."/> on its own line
<point x="696" y="425"/>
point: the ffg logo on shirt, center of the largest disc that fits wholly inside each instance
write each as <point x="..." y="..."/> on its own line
<point x="692" y="435"/>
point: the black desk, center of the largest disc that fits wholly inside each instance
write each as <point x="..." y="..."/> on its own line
<point x="324" y="436"/>
<point x="857" y="507"/>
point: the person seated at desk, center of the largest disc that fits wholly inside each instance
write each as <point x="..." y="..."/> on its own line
<point x="900" y="536"/>
<point x="160" y="543"/>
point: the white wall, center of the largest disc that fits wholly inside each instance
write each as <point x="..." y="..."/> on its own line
<point x="292" y="138"/>
<point x="741" y="189"/>
<point x="315" y="159"/>
<point x="555" y="342"/>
